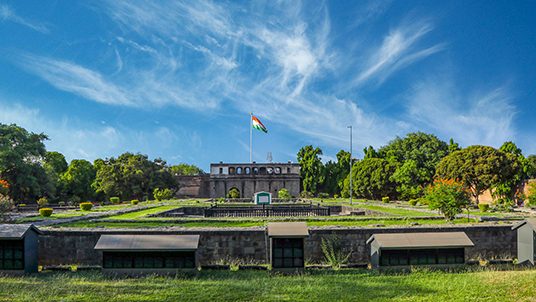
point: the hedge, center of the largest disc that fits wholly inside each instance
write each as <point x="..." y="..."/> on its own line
<point x="86" y="206"/>
<point x="46" y="212"/>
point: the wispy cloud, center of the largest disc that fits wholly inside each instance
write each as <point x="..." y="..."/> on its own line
<point x="470" y="118"/>
<point x="8" y="14"/>
<point x="397" y="50"/>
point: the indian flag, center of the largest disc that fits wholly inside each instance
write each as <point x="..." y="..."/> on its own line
<point x="257" y="124"/>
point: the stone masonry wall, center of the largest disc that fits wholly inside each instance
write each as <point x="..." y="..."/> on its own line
<point x="76" y="247"/>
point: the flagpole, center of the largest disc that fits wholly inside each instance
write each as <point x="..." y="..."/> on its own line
<point x="250" y="136"/>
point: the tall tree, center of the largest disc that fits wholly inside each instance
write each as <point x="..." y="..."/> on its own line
<point x="371" y="178"/>
<point x="55" y="165"/>
<point x="479" y="168"/>
<point x="531" y="166"/>
<point x="186" y="169"/>
<point x="76" y="182"/>
<point x="21" y="154"/>
<point x="416" y="157"/>
<point x="311" y="168"/>
<point x="506" y="190"/>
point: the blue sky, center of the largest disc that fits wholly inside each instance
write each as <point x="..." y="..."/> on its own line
<point x="178" y="79"/>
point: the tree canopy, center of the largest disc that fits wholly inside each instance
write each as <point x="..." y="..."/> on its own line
<point x="186" y="170"/>
<point x="76" y="182"/>
<point x="372" y="178"/>
<point x="311" y="168"/>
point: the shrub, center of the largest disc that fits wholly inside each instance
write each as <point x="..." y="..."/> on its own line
<point x="6" y="204"/>
<point x="233" y="193"/>
<point x="385" y="199"/>
<point x="335" y="195"/>
<point x="162" y="194"/>
<point x="306" y="194"/>
<point x="4" y="187"/>
<point x="21" y="205"/>
<point x="43" y="201"/>
<point x="323" y="195"/>
<point x="115" y="200"/>
<point x="284" y="194"/>
<point x="46" y="212"/>
<point x="447" y="196"/>
<point x="484" y="207"/>
<point x="413" y="202"/>
<point x="333" y="253"/>
<point x="531" y="197"/>
<point x="134" y="201"/>
<point x="86" y="206"/>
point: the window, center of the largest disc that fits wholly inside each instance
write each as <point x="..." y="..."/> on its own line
<point x="11" y="255"/>
<point x="221" y="170"/>
<point x="255" y="170"/>
<point x="247" y="170"/>
<point x="231" y="170"/>
<point x="149" y="260"/>
<point x="288" y="170"/>
<point x="239" y="170"/>
<point x="277" y="170"/>
<point x="262" y="171"/>
<point x="270" y="170"/>
<point x="287" y="252"/>
<point x="422" y="257"/>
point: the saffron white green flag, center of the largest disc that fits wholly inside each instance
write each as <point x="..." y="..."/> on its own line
<point x="256" y="123"/>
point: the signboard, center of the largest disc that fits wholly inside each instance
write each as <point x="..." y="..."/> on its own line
<point x="263" y="198"/>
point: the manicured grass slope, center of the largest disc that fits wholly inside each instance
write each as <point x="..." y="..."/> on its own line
<point x="346" y="285"/>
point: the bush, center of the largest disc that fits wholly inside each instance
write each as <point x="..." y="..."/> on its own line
<point x="6" y="204"/>
<point x="531" y="197"/>
<point x="86" y="206"/>
<point x="335" y="195"/>
<point x="333" y="252"/>
<point x="385" y="199"/>
<point x="115" y="200"/>
<point x="323" y="195"/>
<point x="306" y="194"/>
<point x="283" y="194"/>
<point x="43" y="201"/>
<point x="233" y="193"/>
<point x="162" y="194"/>
<point x="22" y="205"/>
<point x="134" y="201"/>
<point x="413" y="202"/>
<point x="447" y="196"/>
<point x="484" y="207"/>
<point x="46" y="212"/>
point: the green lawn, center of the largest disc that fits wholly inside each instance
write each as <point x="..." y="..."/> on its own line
<point x="319" y="285"/>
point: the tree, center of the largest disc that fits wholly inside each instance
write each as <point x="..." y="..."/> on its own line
<point x="186" y="169"/>
<point x="334" y="173"/>
<point x="447" y="196"/>
<point x="372" y="178"/>
<point x="453" y="146"/>
<point x="132" y="176"/>
<point x="505" y="191"/>
<point x="76" y="181"/>
<point x="311" y="168"/>
<point x="370" y="152"/>
<point x="531" y="166"/>
<point x="416" y="157"/>
<point x="21" y="155"/>
<point x="55" y="165"/>
<point x="479" y="168"/>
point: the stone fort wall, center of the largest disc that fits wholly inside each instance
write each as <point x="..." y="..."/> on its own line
<point x="57" y="247"/>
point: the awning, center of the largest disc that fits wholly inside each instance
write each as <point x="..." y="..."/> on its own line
<point x="16" y="231"/>
<point x="147" y="243"/>
<point x="287" y="229"/>
<point x="529" y="221"/>
<point x="421" y="240"/>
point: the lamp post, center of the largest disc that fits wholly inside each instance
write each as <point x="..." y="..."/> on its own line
<point x="350" y="127"/>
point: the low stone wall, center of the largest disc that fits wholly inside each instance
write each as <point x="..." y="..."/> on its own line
<point x="57" y="247"/>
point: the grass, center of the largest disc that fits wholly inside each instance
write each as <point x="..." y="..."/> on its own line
<point x="255" y="222"/>
<point x="319" y="285"/>
<point x="144" y="213"/>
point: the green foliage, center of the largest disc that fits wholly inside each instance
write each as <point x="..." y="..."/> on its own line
<point x="21" y="154"/>
<point x="311" y="168"/>
<point x="333" y="252"/>
<point x="385" y="199"/>
<point x="484" y="207"/>
<point x="115" y="200"/>
<point x="306" y="194"/>
<point x="372" y="179"/>
<point x="447" y="196"/>
<point x="77" y="179"/>
<point x="413" y="202"/>
<point x="46" y="212"/>
<point x="61" y="203"/>
<point x="478" y="168"/>
<point x="370" y="152"/>
<point x="162" y="194"/>
<point x="506" y="190"/>
<point x="43" y="201"/>
<point x="531" y="166"/>
<point x="531" y="196"/>
<point x="186" y="169"/>
<point x="86" y="206"/>
<point x="283" y="194"/>
<point x="134" y="201"/>
<point x="334" y="173"/>
<point x="323" y="195"/>
<point x="233" y="193"/>
<point x="132" y="176"/>
<point x="6" y="205"/>
<point x="416" y="157"/>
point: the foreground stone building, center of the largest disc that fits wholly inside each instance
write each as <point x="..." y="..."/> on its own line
<point x="247" y="178"/>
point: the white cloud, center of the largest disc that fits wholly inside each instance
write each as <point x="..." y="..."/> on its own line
<point x="480" y="118"/>
<point x="8" y="14"/>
